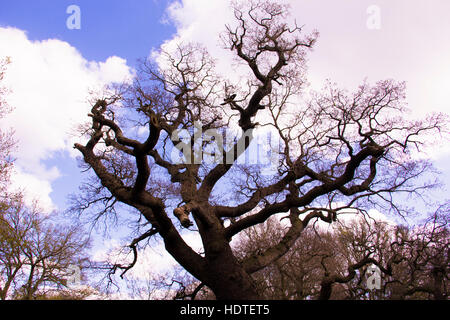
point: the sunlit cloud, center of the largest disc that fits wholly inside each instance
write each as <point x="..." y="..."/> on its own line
<point x="50" y="83"/>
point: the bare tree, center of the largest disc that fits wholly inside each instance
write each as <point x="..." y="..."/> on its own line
<point x="37" y="255"/>
<point x="337" y="150"/>
<point x="321" y="264"/>
<point x="333" y="264"/>
<point x="422" y="271"/>
<point x="297" y="274"/>
<point x="357" y="246"/>
<point x="6" y="137"/>
<point x="176" y="284"/>
<point x="35" y="250"/>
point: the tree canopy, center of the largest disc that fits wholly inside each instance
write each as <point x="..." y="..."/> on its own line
<point x="335" y="150"/>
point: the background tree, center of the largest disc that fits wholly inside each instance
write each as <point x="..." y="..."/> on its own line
<point x="423" y="255"/>
<point x="35" y="249"/>
<point x="6" y="137"/>
<point x="332" y="263"/>
<point x="176" y="284"/>
<point x="297" y="274"/>
<point x="337" y="150"/>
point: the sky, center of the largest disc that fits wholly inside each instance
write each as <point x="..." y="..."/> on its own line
<point x="54" y="67"/>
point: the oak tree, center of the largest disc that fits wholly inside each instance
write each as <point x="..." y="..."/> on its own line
<point x="336" y="149"/>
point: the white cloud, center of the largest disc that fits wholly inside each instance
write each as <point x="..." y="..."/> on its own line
<point x="195" y="23"/>
<point x="50" y="82"/>
<point x="371" y="215"/>
<point x="36" y="187"/>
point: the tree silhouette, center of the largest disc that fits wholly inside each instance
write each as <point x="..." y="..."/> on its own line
<point x="337" y="150"/>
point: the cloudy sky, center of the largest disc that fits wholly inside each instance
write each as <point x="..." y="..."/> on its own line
<point x="54" y="67"/>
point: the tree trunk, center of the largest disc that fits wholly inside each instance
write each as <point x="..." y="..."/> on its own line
<point x="224" y="275"/>
<point x="229" y="281"/>
<point x="326" y="288"/>
<point x="438" y="280"/>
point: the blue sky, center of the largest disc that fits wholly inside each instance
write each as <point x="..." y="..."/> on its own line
<point x="126" y="29"/>
<point x="129" y="29"/>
